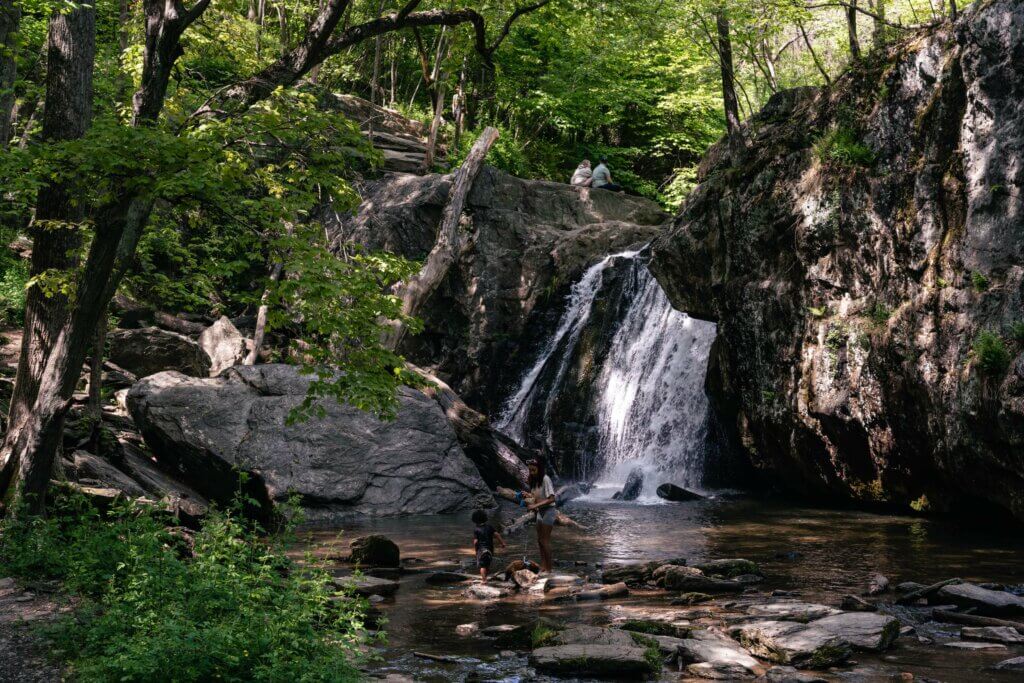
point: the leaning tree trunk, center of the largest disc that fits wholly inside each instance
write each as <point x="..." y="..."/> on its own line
<point x="729" y="100"/>
<point x="71" y="49"/>
<point x="10" y="18"/>
<point x="851" y="29"/>
<point x="446" y="249"/>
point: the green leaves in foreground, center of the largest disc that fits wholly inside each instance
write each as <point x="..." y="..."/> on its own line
<point x="237" y="609"/>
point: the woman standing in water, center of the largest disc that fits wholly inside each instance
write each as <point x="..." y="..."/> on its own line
<point x="543" y="493"/>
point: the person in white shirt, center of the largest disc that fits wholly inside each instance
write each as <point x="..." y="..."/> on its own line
<point x="544" y="505"/>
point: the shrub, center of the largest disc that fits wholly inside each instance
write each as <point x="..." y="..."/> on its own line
<point x="1017" y="331"/>
<point x="879" y="313"/>
<point x="991" y="354"/>
<point x="13" y="277"/>
<point x="842" y="146"/>
<point x="979" y="281"/>
<point x="233" y="609"/>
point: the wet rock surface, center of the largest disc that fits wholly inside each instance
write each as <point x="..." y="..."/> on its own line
<point x="865" y="287"/>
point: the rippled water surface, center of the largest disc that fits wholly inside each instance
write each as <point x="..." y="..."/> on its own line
<point x="822" y="554"/>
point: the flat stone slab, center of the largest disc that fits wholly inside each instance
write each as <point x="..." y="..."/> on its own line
<point x="622" y="661"/>
<point x="986" y="602"/>
<point x="992" y="634"/>
<point x="1014" y="664"/>
<point x="970" y="645"/>
<point x="482" y="591"/>
<point x="691" y="580"/>
<point x="368" y="585"/>
<point x="583" y="634"/>
<point x="720" y="653"/>
<point x="791" y="642"/>
<point x="864" y="630"/>
<point x="792" y="611"/>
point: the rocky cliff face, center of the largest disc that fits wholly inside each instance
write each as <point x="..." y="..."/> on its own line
<point x="864" y="261"/>
<point x="528" y="241"/>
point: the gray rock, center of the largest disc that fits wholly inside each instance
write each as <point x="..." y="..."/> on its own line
<point x="583" y="634"/>
<point x="90" y="469"/>
<point x="149" y="350"/>
<point x="720" y="653"/>
<point x="592" y="660"/>
<point x="344" y="462"/>
<point x="792" y="611"/>
<point x="633" y="486"/>
<point x="367" y="585"/>
<point x="676" y="494"/>
<point x="728" y="568"/>
<point x="854" y="604"/>
<point x="992" y="634"/>
<point x="985" y="602"/>
<point x="440" y="578"/>
<point x="863" y="630"/>
<point x="971" y="645"/>
<point x="224" y="344"/>
<point x="790" y="642"/>
<point x="1013" y="664"/>
<point x="692" y="580"/>
<point x="862" y="308"/>
<point x="878" y="585"/>
<point x="483" y="591"/>
<point x="374" y="550"/>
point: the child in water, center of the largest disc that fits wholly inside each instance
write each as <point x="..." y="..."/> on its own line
<point x="484" y="536"/>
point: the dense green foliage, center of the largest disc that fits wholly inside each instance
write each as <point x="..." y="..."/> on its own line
<point x="991" y="353"/>
<point x="154" y="606"/>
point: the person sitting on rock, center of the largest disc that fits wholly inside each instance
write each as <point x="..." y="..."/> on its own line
<point x="602" y="178"/>
<point x="583" y="175"/>
<point x="484" y="536"/>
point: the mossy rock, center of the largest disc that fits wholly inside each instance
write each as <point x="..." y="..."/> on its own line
<point x="530" y="635"/>
<point x="655" y="627"/>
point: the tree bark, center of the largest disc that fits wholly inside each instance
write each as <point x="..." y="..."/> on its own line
<point x="261" y="318"/>
<point x="71" y="50"/>
<point x="94" y="406"/>
<point x="851" y="29"/>
<point x="10" y="19"/>
<point x="435" y="127"/>
<point x="814" y="55"/>
<point x="446" y="249"/>
<point x="729" y="101"/>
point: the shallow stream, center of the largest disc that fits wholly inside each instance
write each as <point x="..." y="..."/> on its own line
<point x="820" y="555"/>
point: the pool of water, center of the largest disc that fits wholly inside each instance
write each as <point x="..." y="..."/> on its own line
<point x="820" y="554"/>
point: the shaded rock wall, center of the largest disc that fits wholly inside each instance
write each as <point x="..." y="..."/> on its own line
<point x="849" y="288"/>
<point x="527" y="241"/>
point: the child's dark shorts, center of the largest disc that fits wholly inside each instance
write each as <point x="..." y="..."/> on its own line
<point x="484" y="558"/>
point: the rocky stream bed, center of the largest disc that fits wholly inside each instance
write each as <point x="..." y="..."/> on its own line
<point x="726" y="589"/>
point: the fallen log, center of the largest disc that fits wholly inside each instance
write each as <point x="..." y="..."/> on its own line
<point x="914" y="596"/>
<point x="974" y="620"/>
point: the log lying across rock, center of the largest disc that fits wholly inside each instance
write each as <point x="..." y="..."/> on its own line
<point x="561" y="519"/>
<point x="974" y="620"/>
<point x="914" y="596"/>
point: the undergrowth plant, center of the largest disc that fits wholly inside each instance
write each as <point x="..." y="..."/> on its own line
<point x="842" y="146"/>
<point x="152" y="606"/>
<point x="991" y="354"/>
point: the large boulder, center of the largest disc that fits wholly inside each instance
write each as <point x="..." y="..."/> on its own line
<point x="374" y="550"/>
<point x="863" y="630"/>
<point x="633" y="486"/>
<point x="676" y="494"/>
<point x="862" y="244"/>
<point x="346" y="461"/>
<point x="224" y="344"/>
<point x="691" y="579"/>
<point x="984" y="601"/>
<point x="716" y="654"/>
<point x="149" y="350"/>
<point x="789" y="642"/>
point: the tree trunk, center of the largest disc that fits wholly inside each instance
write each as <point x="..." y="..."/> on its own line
<point x="10" y="19"/>
<point x="814" y="55"/>
<point x="851" y="29"/>
<point x="446" y="249"/>
<point x="375" y="88"/>
<point x="435" y="127"/>
<point x="94" y="406"/>
<point x="880" y="31"/>
<point x="261" y="319"/>
<point x="71" y="49"/>
<point x="730" y="102"/>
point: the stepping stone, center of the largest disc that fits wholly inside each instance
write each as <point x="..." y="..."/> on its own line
<point x="467" y="629"/>
<point x="717" y="653"/>
<point x="728" y="568"/>
<point x="986" y="602"/>
<point x="482" y="591"/>
<point x="497" y="630"/>
<point x="623" y="661"/>
<point x="864" y="630"/>
<point x="582" y="634"/>
<point x="1015" y="664"/>
<point x="792" y="611"/>
<point x="616" y="590"/>
<point x="790" y="642"/>
<point x="992" y="634"/>
<point x="965" y="645"/>
<point x="787" y="674"/>
<point x="692" y="579"/>
<point x="367" y="585"/>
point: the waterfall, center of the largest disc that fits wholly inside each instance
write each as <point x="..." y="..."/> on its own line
<point x="646" y="401"/>
<point x="512" y="420"/>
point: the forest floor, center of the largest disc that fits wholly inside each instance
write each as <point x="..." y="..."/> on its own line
<point x="23" y="653"/>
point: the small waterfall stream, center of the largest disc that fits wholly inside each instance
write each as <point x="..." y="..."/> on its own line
<point x="646" y="402"/>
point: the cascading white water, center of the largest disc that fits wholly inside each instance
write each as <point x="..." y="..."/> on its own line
<point x="512" y="420"/>
<point x="652" y="410"/>
<point x="649" y="401"/>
